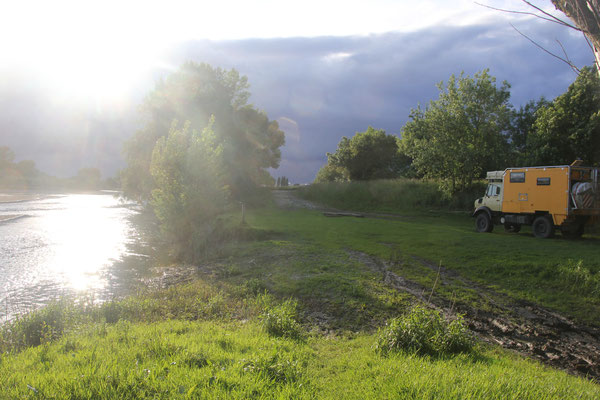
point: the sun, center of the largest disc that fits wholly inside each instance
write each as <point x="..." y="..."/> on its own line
<point x="80" y="52"/>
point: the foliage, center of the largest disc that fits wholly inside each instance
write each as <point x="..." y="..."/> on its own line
<point x="569" y="127"/>
<point x="41" y="326"/>
<point x="22" y="175"/>
<point x="331" y="173"/>
<point x="367" y="155"/>
<point x="462" y="134"/>
<point x="391" y="195"/>
<point x="282" y="181"/>
<point x="521" y="128"/>
<point x="424" y="331"/>
<point x="250" y="142"/>
<point x="190" y="190"/>
<point x="281" y="320"/>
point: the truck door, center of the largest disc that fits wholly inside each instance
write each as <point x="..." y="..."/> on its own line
<point x="493" y="196"/>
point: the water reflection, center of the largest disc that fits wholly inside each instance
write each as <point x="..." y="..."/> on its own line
<point x="68" y="244"/>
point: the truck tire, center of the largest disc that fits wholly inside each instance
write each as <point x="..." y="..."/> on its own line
<point x="483" y="223"/>
<point x="512" y="228"/>
<point x="543" y="227"/>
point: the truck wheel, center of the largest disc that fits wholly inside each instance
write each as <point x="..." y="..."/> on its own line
<point x="543" y="227"/>
<point x="512" y="228"/>
<point x="483" y="223"/>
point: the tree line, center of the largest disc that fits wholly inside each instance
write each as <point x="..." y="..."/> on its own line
<point x="24" y="176"/>
<point x="472" y="128"/>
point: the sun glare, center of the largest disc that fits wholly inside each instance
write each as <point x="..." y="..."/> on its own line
<point x="79" y="51"/>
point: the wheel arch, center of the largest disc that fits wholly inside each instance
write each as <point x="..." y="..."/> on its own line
<point x="481" y="209"/>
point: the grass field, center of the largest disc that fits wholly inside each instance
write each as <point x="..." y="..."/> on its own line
<point x="214" y="337"/>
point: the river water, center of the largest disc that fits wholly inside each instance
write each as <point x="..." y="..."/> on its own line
<point x="69" y="244"/>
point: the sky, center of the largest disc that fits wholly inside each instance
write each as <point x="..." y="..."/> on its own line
<point x="72" y="73"/>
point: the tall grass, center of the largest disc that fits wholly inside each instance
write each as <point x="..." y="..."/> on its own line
<point x="424" y="331"/>
<point x="390" y="195"/>
<point x="580" y="279"/>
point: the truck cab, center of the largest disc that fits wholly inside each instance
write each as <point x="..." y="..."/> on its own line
<point x="493" y="193"/>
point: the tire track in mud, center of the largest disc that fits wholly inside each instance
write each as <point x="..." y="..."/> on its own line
<point x="518" y="325"/>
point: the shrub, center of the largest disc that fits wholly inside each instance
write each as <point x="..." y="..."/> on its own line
<point x="390" y="195"/>
<point x="281" y="320"/>
<point x="424" y="331"/>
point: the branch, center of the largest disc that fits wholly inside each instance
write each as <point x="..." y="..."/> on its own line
<point x="573" y="67"/>
<point x="566" y="61"/>
<point x="550" y="18"/>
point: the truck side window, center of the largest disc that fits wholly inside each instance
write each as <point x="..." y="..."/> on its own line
<point x="543" y="181"/>
<point x="492" y="190"/>
<point x="517" y="177"/>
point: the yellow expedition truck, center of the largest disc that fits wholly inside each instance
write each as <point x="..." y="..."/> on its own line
<point x="566" y="197"/>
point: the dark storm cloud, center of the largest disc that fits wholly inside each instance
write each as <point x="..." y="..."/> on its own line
<point x="319" y="89"/>
<point x="333" y="87"/>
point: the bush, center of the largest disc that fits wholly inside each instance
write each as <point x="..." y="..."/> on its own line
<point x="391" y="195"/>
<point x="424" y="331"/>
<point x="281" y="320"/>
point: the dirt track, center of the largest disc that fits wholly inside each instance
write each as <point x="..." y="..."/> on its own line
<point x="527" y="328"/>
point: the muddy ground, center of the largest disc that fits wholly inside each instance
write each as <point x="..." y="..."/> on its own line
<point x="518" y="325"/>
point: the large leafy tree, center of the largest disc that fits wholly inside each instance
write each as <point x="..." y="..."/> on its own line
<point x="367" y="155"/>
<point x="461" y="134"/>
<point x="194" y="93"/>
<point x="569" y="127"/>
<point x="190" y="191"/>
<point x="522" y="126"/>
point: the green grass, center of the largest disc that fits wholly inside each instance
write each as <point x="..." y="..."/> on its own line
<point x="516" y="264"/>
<point x="199" y="359"/>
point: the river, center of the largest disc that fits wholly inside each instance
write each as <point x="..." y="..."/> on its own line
<point x="69" y="244"/>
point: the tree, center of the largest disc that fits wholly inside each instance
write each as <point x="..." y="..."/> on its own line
<point x="7" y="157"/>
<point x="521" y="127"/>
<point x="331" y="173"/>
<point x="461" y="134"/>
<point x="190" y="192"/>
<point x="569" y="127"/>
<point x="586" y="15"/>
<point x="367" y="155"/>
<point x="251" y="142"/>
